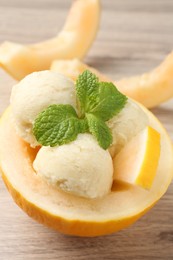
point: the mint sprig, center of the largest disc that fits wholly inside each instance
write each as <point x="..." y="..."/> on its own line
<point x="97" y="103"/>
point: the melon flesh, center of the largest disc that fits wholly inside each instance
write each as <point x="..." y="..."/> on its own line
<point x="137" y="161"/>
<point x="73" y="41"/>
<point x="71" y="214"/>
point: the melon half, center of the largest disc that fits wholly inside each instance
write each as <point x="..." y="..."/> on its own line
<point x="70" y="214"/>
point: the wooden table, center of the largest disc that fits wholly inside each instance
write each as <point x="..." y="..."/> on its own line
<point x="134" y="37"/>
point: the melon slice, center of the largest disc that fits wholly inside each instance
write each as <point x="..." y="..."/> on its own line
<point x="70" y="214"/>
<point x="73" y="41"/>
<point x="137" y="162"/>
<point x="150" y="89"/>
<point x="72" y="69"/>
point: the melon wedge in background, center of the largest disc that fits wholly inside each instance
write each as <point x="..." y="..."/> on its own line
<point x="137" y="162"/>
<point x="72" y="69"/>
<point x="71" y="214"/>
<point x="73" y="41"/>
<point x="150" y="89"/>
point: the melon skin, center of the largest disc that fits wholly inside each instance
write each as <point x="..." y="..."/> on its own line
<point x="73" y="227"/>
<point x="87" y="218"/>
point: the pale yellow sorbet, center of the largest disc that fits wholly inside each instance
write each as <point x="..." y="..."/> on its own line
<point x="35" y="93"/>
<point x="81" y="167"/>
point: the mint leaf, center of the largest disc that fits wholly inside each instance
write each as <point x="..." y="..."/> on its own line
<point x="108" y="102"/>
<point x="57" y="125"/>
<point x="100" y="131"/>
<point x="86" y="85"/>
<point x="99" y="98"/>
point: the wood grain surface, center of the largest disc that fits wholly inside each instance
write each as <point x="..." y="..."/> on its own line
<point x="134" y="37"/>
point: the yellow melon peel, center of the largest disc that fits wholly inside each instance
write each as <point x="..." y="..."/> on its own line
<point x="73" y="41"/>
<point x="70" y="214"/>
<point x="150" y="89"/>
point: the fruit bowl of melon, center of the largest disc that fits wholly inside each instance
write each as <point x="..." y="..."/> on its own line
<point x="79" y="152"/>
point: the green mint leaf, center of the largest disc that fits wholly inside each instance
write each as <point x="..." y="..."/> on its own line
<point x="99" y="98"/>
<point x="86" y="85"/>
<point x="108" y="101"/>
<point x="57" y="125"/>
<point x="100" y="131"/>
